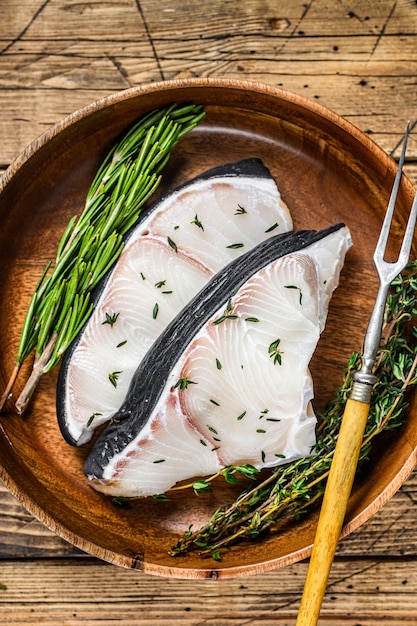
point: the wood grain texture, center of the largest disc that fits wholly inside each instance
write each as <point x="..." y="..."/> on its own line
<point x="357" y="57"/>
<point x="368" y="592"/>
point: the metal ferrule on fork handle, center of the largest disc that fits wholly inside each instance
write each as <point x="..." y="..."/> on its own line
<point x="362" y="387"/>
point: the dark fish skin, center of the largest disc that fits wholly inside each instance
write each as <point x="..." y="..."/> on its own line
<point x="153" y="371"/>
<point x="251" y="167"/>
<point x="245" y="167"/>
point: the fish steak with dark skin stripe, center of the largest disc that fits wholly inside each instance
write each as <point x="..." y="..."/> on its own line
<point x="227" y="381"/>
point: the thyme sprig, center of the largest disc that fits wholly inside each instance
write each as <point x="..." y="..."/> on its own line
<point x="230" y="473"/>
<point x="128" y="176"/>
<point x="289" y="490"/>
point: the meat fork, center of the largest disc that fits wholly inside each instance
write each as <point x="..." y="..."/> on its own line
<point x="354" y="420"/>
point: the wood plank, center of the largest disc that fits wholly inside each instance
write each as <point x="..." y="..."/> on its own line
<point x="312" y="19"/>
<point x="69" y="20"/>
<point x="366" y="591"/>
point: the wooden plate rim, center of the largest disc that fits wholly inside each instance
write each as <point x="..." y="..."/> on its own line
<point x="175" y="86"/>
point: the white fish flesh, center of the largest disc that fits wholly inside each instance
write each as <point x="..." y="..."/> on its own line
<point x="183" y="240"/>
<point x="227" y="382"/>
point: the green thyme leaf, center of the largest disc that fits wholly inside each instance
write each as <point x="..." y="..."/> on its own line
<point x="161" y="497"/>
<point x="114" y="377"/>
<point x="299" y="290"/>
<point x="111" y="319"/>
<point x="201" y="486"/>
<point x="183" y="383"/>
<point x="216" y="555"/>
<point x="271" y="228"/>
<point x="92" y="418"/>
<point x="172" y="244"/>
<point x="197" y="222"/>
<point x="121" y="502"/>
<point x="274" y="352"/>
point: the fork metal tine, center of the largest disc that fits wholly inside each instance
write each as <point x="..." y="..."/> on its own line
<point x="388" y="272"/>
<point x="409" y="234"/>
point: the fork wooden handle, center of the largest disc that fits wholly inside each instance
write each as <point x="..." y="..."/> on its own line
<point x="332" y="514"/>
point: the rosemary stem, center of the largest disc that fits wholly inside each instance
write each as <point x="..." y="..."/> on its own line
<point x="35" y="376"/>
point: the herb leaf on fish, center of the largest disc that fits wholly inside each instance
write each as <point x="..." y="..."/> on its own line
<point x="289" y="490"/>
<point x="299" y="291"/>
<point x="114" y="377"/>
<point x="111" y="319"/>
<point x="271" y="228"/>
<point x="183" y="383"/>
<point x="228" y="314"/>
<point x="128" y="176"/>
<point x="91" y="418"/>
<point x="172" y="244"/>
<point x="197" y="222"/>
<point x="274" y="352"/>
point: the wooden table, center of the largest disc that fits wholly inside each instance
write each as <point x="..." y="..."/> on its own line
<point x="356" y="57"/>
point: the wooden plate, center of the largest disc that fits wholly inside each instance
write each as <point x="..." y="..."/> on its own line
<point x="327" y="171"/>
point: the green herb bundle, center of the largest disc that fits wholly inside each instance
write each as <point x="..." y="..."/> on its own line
<point x="91" y="243"/>
<point x="289" y="490"/>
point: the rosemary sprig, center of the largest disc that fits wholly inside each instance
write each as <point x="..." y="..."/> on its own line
<point x="289" y="490"/>
<point x="90" y="245"/>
